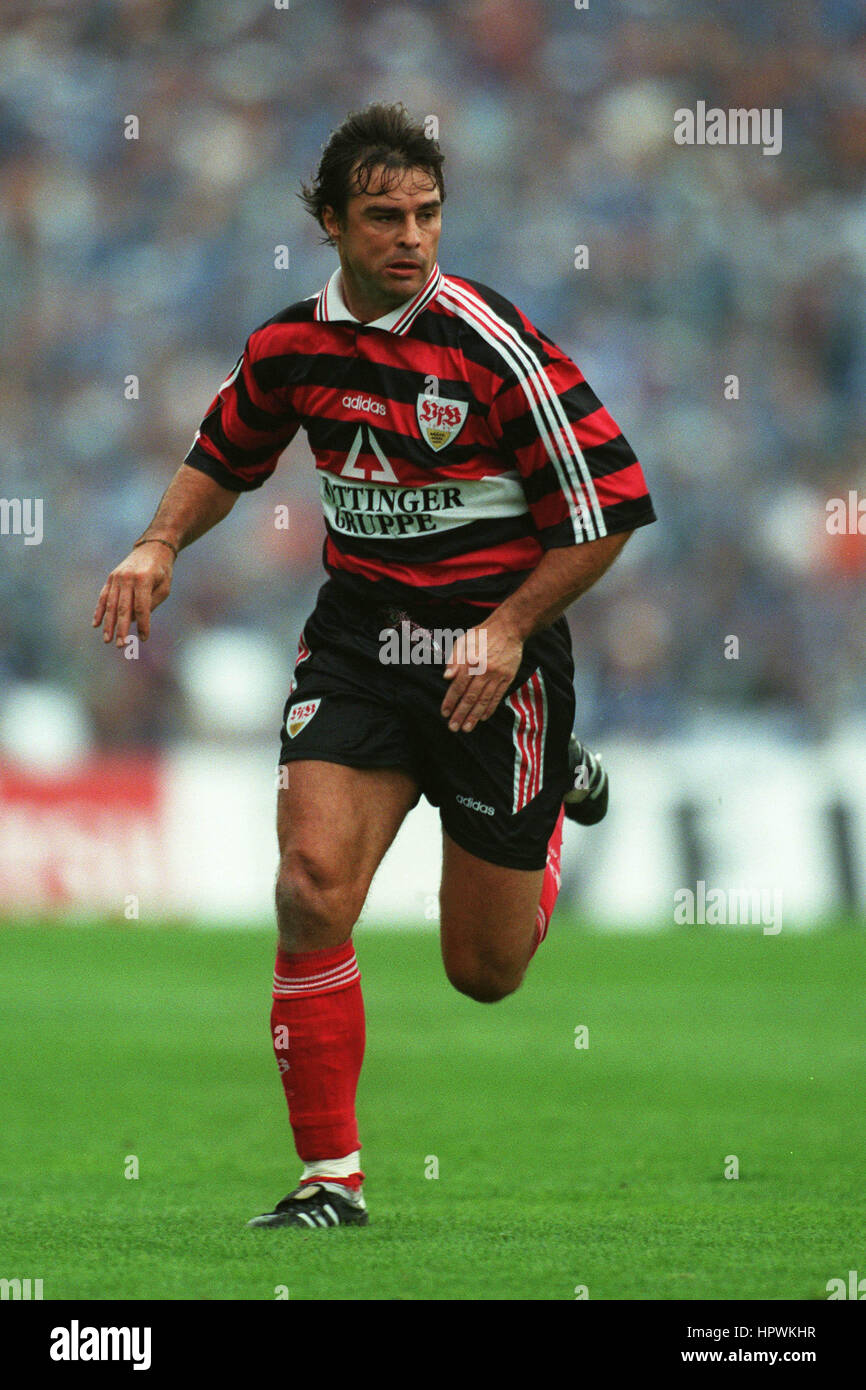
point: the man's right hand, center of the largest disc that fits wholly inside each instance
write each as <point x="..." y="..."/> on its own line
<point x="133" y="589"/>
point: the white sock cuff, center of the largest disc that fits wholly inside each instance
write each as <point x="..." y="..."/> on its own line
<point x="333" y="1167"/>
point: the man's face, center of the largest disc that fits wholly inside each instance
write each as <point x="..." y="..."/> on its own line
<point x="389" y="240"/>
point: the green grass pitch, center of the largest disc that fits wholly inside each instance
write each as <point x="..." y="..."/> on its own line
<point x="559" y="1167"/>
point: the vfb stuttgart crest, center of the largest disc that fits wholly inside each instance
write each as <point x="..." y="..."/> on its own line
<point x="300" y="715"/>
<point x="440" y="420"/>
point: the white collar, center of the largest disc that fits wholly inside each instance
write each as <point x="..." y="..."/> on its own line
<point x="332" y="308"/>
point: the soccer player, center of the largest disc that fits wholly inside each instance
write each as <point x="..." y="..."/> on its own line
<point x="473" y="487"/>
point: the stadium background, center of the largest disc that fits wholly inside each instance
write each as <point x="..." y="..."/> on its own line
<point x="155" y="256"/>
<point x="139" y="792"/>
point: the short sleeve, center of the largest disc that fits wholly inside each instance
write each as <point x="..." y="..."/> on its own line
<point x="248" y="424"/>
<point x="580" y="475"/>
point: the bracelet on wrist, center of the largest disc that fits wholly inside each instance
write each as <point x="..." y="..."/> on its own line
<point x="158" y="540"/>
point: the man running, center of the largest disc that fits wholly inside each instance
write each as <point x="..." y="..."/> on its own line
<point x="473" y="487"/>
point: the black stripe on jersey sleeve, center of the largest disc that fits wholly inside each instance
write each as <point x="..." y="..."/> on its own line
<point x="601" y="459"/>
<point x="206" y="463"/>
<point x="252" y="415"/>
<point x="579" y="400"/>
<point x="610" y="457"/>
<point x="237" y="455"/>
<point x="621" y="516"/>
<point x="629" y="515"/>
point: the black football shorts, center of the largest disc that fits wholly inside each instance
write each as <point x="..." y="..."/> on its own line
<point x="367" y="691"/>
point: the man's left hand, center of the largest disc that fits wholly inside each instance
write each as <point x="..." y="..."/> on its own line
<point x="483" y="664"/>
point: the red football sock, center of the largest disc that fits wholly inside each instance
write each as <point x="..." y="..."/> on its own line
<point x="318" y="1032"/>
<point x="551" y="885"/>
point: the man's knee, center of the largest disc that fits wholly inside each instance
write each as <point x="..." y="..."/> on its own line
<point x="317" y="900"/>
<point x="486" y="981"/>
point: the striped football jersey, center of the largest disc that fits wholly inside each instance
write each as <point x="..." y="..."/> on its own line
<point x="454" y="442"/>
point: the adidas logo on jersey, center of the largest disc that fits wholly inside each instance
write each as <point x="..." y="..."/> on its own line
<point x="364" y="403"/>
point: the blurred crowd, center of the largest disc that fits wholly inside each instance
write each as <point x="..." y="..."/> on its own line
<point x="132" y="270"/>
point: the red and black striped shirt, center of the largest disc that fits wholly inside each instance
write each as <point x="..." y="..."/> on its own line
<point x="454" y="442"/>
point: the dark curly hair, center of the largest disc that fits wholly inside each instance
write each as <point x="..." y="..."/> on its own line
<point x="380" y="136"/>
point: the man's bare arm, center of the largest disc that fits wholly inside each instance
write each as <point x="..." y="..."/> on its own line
<point x="561" y="576"/>
<point x="192" y="504"/>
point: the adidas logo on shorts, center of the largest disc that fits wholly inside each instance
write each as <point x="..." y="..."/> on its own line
<point x="475" y="806"/>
